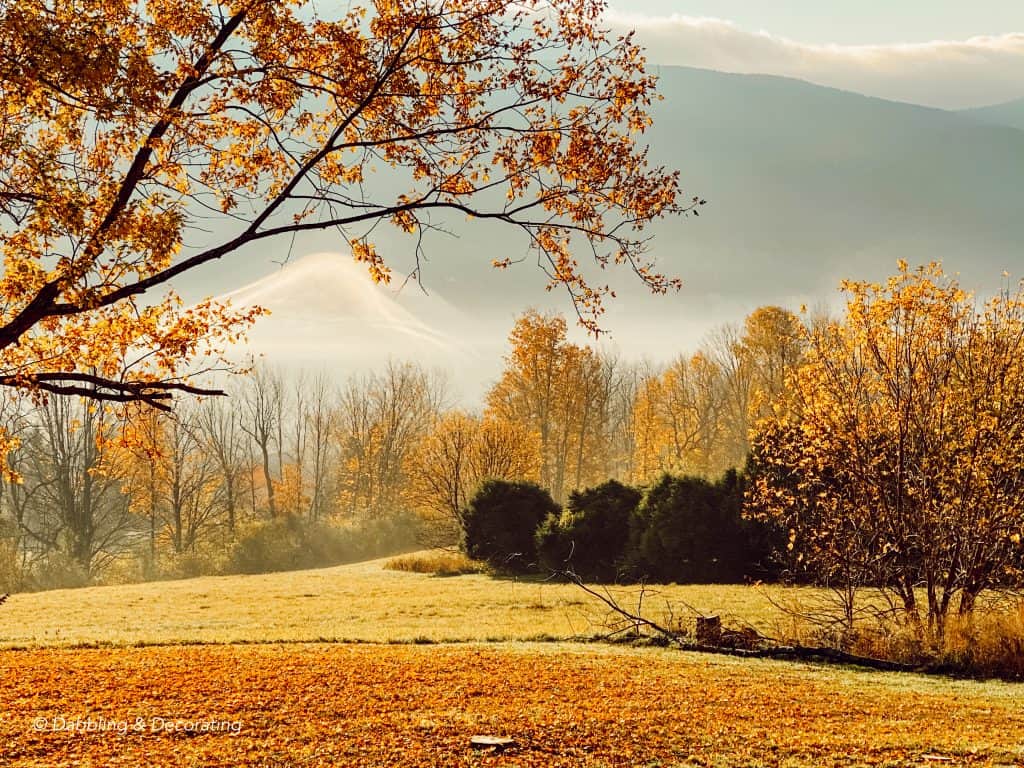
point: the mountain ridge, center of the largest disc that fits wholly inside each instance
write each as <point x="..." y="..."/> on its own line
<point x="1007" y="113"/>
<point x="806" y="184"/>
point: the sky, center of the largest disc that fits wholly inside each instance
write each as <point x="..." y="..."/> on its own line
<point x="851" y="22"/>
<point x="937" y="53"/>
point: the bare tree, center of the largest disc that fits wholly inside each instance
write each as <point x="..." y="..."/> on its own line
<point x="73" y="502"/>
<point x="220" y="427"/>
<point x="193" y="501"/>
<point x="322" y="422"/>
<point x="262" y="400"/>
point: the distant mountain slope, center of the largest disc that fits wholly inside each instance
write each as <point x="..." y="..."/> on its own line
<point x="1010" y="114"/>
<point x="806" y="185"/>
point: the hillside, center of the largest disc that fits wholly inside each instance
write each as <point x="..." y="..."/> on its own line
<point x="327" y="314"/>
<point x="806" y="185"/>
<point x="809" y="184"/>
<point x="1010" y="114"/>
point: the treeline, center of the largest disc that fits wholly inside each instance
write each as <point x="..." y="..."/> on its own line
<point x="296" y="470"/>
<point x="282" y="473"/>
<point x="887" y="458"/>
<point x="880" y="450"/>
<point x="569" y="417"/>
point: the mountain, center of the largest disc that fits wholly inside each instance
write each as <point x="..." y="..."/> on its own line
<point x="1010" y="114"/>
<point x="806" y="185"/>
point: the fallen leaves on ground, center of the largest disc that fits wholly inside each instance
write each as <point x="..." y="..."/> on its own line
<point x="337" y="705"/>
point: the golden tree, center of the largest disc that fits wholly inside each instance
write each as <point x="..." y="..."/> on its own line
<point x="451" y="461"/>
<point x="560" y="392"/>
<point x="679" y="420"/>
<point x="168" y="475"/>
<point x="130" y="131"/>
<point x="901" y="463"/>
<point x="695" y="415"/>
<point x="772" y="346"/>
<point x="381" y="418"/>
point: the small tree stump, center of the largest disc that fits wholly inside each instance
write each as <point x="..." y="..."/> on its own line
<point x="497" y="743"/>
<point x="709" y="630"/>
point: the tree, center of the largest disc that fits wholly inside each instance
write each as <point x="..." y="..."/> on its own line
<point x="689" y="530"/>
<point x="754" y="362"/>
<point x="380" y="419"/>
<point x="263" y="404"/>
<point x="590" y="535"/>
<point x="322" y="422"/>
<point x="772" y="345"/>
<point x="558" y="391"/>
<point x="454" y="458"/>
<point x="140" y="452"/>
<point x="73" y="500"/>
<point x="221" y="432"/>
<point x="680" y="419"/>
<point x="129" y="129"/>
<point x="173" y="474"/>
<point x="900" y="464"/>
<point x="193" y="502"/>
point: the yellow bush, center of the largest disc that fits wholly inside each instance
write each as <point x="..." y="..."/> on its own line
<point x="437" y="562"/>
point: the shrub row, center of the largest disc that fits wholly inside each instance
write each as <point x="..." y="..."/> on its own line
<point x="680" y="529"/>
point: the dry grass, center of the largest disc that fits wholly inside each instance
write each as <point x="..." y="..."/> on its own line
<point x="361" y="602"/>
<point x="436" y="562"/>
<point x="990" y="644"/>
<point x="401" y="601"/>
<point x="565" y="705"/>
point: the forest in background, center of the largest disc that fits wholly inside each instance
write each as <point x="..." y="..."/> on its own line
<point x="881" y="450"/>
<point x="381" y="457"/>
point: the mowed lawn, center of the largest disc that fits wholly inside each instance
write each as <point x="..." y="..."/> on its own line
<point x="299" y="705"/>
<point x="361" y="602"/>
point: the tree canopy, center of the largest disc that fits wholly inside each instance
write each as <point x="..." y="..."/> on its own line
<point x="129" y="132"/>
<point x="900" y="463"/>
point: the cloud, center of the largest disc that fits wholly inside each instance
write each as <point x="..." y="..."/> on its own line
<point x="945" y="74"/>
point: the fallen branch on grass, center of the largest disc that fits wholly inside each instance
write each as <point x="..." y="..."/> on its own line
<point x="792" y="652"/>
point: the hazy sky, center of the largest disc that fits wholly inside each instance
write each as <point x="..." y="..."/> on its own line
<point x="852" y="22"/>
<point x="938" y="53"/>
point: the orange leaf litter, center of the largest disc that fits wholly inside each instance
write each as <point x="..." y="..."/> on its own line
<point x="285" y="706"/>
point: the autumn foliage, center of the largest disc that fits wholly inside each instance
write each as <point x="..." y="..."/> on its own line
<point x="142" y="141"/>
<point x="360" y="705"/>
<point x="900" y="464"/>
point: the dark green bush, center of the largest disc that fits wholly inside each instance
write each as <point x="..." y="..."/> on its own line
<point x="689" y="530"/>
<point x="590" y="536"/>
<point x="501" y="520"/>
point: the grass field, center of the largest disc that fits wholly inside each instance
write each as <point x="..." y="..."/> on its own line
<point x="362" y="602"/>
<point x="298" y="702"/>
